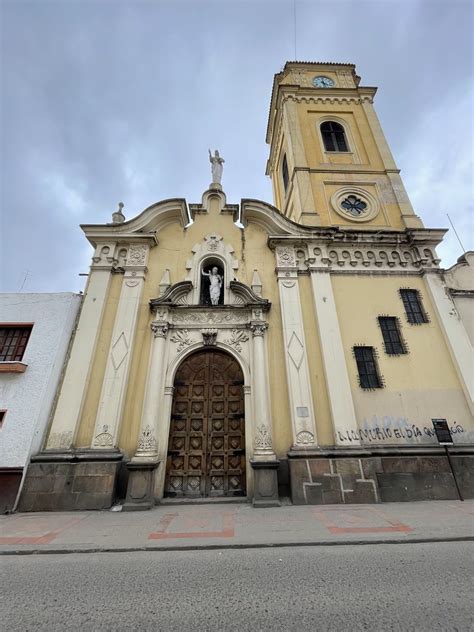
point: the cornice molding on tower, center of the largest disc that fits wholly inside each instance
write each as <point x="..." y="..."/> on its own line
<point x="298" y="65"/>
<point x="331" y="96"/>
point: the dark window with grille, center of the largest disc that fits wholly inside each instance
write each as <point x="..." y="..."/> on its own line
<point x="334" y="137"/>
<point x="13" y="341"/>
<point x="367" y="367"/>
<point x="392" y="338"/>
<point x="413" y="307"/>
<point x="284" y="172"/>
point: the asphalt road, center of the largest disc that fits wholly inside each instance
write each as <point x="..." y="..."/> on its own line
<point x="370" y="587"/>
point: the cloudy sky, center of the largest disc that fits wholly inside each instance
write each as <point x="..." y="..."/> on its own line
<point x="107" y="100"/>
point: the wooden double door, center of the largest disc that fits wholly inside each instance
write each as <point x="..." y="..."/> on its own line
<point x="206" y="448"/>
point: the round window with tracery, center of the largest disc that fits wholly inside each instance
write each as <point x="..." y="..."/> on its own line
<point x="354" y="205"/>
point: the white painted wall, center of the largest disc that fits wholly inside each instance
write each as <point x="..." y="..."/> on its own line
<point x="28" y="396"/>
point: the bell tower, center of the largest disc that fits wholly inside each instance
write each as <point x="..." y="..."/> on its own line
<point x="329" y="162"/>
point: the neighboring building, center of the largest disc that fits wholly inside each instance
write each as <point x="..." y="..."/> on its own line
<point x="459" y="280"/>
<point x="319" y="363"/>
<point x="35" y="330"/>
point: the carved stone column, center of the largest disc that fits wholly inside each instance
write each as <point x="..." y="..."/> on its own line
<point x="114" y="386"/>
<point x="264" y="462"/>
<point x="140" y="489"/>
<point x="73" y="390"/>
<point x="299" y="385"/>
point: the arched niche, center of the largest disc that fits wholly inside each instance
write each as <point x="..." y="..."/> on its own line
<point x="212" y="281"/>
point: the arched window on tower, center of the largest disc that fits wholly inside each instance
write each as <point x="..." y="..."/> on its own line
<point x="334" y="137"/>
<point x="284" y="172"/>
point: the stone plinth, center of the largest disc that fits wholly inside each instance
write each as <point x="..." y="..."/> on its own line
<point x="140" y="490"/>
<point x="265" y="493"/>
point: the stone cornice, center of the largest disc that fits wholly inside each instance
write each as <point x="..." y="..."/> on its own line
<point x="336" y="250"/>
<point x="308" y="96"/>
<point x="299" y="65"/>
<point x="143" y="227"/>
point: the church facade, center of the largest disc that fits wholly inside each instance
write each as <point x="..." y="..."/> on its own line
<point x="260" y="350"/>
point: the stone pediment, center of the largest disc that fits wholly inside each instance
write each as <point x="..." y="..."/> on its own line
<point x="241" y="296"/>
<point x="175" y="295"/>
<point x="246" y="297"/>
<point x="145" y="225"/>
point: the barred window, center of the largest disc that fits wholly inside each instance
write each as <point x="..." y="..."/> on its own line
<point x="413" y="307"/>
<point x="367" y="367"/>
<point x="334" y="137"/>
<point x="13" y="341"/>
<point x="393" y="341"/>
<point x="284" y="172"/>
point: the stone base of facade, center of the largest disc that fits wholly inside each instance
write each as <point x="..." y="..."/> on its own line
<point x="140" y="488"/>
<point x="74" y="480"/>
<point x="265" y="492"/>
<point x="10" y="480"/>
<point x="342" y="476"/>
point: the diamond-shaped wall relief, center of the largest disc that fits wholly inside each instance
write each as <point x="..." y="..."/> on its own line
<point x="295" y="350"/>
<point x="119" y="351"/>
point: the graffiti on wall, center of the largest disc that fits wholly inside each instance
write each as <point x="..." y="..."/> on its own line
<point x="392" y="429"/>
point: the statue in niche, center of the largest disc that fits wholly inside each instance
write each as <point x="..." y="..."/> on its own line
<point x="216" y="166"/>
<point x="212" y="290"/>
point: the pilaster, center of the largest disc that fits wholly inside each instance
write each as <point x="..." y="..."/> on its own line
<point x="76" y="378"/>
<point x="454" y="333"/>
<point x="335" y="369"/>
<point x="121" y="349"/>
<point x="299" y="385"/>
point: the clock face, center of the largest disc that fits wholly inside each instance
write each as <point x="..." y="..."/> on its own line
<point x="323" y="82"/>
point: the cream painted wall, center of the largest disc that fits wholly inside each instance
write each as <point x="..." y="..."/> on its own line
<point x="420" y="385"/>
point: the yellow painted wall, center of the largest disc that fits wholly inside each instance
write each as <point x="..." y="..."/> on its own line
<point x="419" y="385"/>
<point x="174" y="249"/>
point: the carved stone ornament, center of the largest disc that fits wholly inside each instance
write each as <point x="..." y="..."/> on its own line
<point x="104" y="439"/>
<point x="147" y="441"/>
<point x="237" y="337"/>
<point x="263" y="438"/>
<point x="159" y="329"/>
<point x="182" y="339"/>
<point x="209" y="337"/>
<point x="210" y="317"/>
<point x="136" y="255"/>
<point x="212" y="242"/>
<point x="258" y="329"/>
<point x="59" y="440"/>
<point x="304" y="437"/>
<point x="285" y="256"/>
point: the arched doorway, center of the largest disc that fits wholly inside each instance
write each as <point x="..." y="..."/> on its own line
<point x="206" y="447"/>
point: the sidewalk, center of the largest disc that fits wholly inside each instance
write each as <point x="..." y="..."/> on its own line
<point x="205" y="526"/>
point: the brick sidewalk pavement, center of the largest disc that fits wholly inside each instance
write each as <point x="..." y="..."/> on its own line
<point x="177" y="526"/>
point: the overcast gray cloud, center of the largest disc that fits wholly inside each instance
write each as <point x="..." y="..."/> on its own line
<point x="107" y="101"/>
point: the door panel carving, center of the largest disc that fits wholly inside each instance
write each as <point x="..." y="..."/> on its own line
<point x="206" y="448"/>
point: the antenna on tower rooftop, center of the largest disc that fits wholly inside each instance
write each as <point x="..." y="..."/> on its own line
<point x="294" y="26"/>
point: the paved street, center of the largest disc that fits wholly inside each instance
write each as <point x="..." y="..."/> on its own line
<point x="373" y="587"/>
